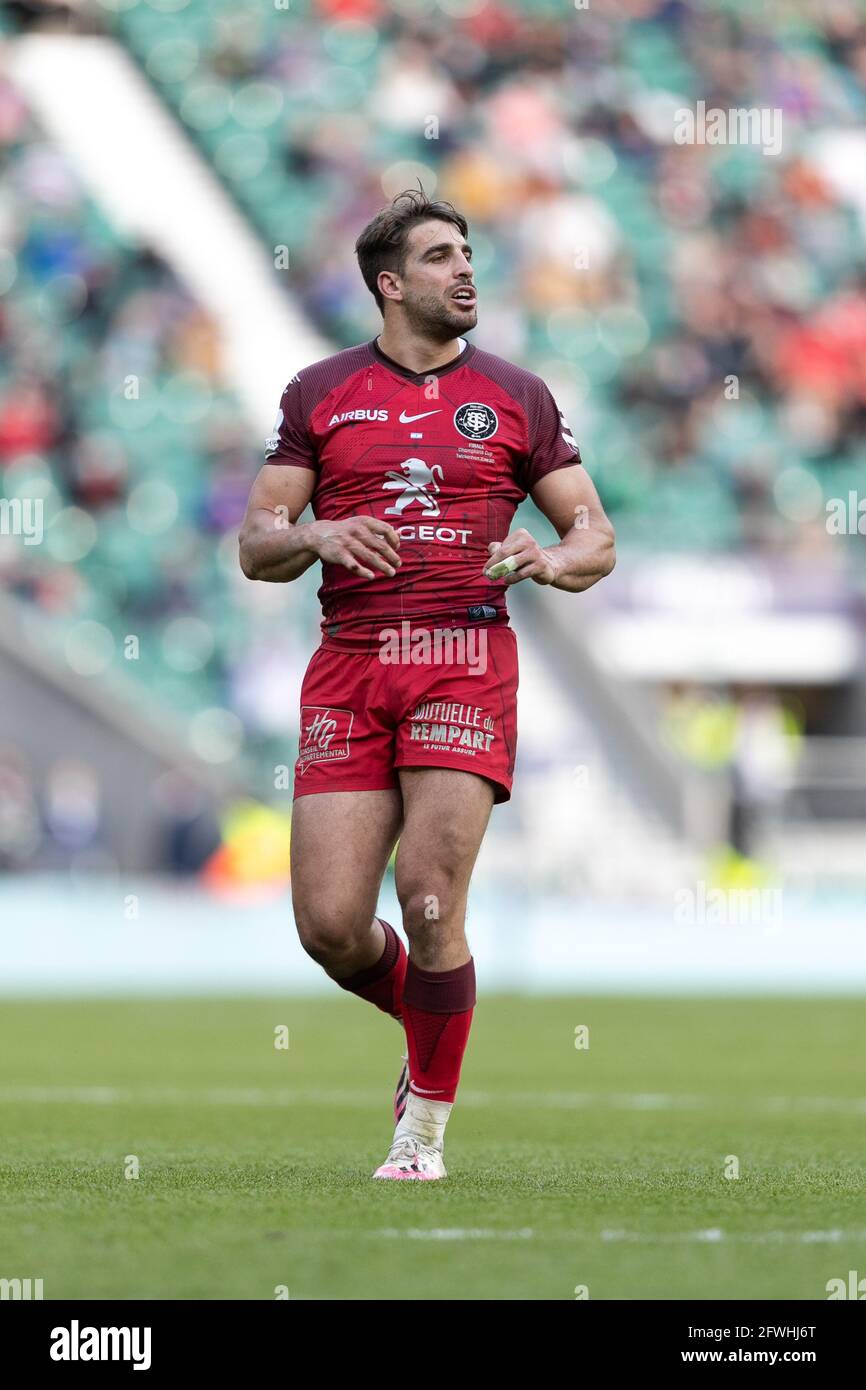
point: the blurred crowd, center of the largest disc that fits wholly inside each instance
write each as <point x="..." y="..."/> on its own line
<point x="112" y="409"/>
<point x="115" y="416"/>
<point x="700" y="310"/>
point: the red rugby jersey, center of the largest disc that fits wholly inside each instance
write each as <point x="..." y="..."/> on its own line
<point x="444" y="456"/>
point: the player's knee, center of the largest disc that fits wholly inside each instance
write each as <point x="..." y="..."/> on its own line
<point x="328" y="932"/>
<point x="426" y="903"/>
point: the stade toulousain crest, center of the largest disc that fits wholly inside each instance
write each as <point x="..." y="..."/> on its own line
<point x="476" y="421"/>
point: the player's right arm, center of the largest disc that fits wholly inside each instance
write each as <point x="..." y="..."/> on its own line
<point x="274" y="548"/>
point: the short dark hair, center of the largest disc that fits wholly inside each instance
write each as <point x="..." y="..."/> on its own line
<point x="383" y="243"/>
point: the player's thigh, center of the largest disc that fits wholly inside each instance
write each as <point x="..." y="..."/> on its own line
<point x="341" y="843"/>
<point x="445" y="815"/>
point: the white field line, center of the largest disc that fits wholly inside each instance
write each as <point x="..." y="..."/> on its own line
<point x="714" y="1236"/>
<point x="361" y="1099"/>
<point x="454" y="1233"/>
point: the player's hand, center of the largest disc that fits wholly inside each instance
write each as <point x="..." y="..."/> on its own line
<point x="531" y="561"/>
<point x="362" y="544"/>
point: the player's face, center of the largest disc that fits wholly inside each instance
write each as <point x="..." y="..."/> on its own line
<point x="435" y="281"/>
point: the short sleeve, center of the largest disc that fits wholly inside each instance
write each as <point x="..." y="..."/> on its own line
<point x="290" y="440"/>
<point x="551" y="442"/>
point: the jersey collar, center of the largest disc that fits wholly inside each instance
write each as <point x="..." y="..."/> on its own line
<point x="421" y="377"/>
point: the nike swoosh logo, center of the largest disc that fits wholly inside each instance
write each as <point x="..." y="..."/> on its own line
<point x="408" y="419"/>
<point x="418" y="1090"/>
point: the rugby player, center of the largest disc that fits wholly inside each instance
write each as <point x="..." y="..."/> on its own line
<point x="414" y="450"/>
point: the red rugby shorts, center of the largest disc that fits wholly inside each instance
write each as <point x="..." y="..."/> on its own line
<point x="407" y="704"/>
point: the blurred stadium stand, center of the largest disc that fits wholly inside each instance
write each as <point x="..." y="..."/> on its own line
<point x="700" y="314"/>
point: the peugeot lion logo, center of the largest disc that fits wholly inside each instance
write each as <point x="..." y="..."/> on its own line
<point x="416" y="483"/>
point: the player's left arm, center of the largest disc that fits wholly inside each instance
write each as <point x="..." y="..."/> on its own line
<point x="586" y="551"/>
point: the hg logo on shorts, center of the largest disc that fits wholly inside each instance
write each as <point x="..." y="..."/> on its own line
<point x="325" y="733"/>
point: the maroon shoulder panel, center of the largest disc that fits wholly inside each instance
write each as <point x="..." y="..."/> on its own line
<point x="551" y="443"/>
<point x="290" y="441"/>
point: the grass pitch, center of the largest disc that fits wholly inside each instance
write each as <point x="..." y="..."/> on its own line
<point x="602" y="1167"/>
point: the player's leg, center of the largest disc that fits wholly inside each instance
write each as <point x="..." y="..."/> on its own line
<point x="445" y="816"/>
<point x="341" y="843"/>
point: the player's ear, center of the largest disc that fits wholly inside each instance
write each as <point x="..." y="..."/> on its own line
<point x="389" y="287"/>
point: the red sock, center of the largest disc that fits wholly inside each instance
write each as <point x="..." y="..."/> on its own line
<point x="437" y="1015"/>
<point x="382" y="983"/>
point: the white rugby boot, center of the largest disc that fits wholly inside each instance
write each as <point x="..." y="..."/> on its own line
<point x="416" y="1151"/>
